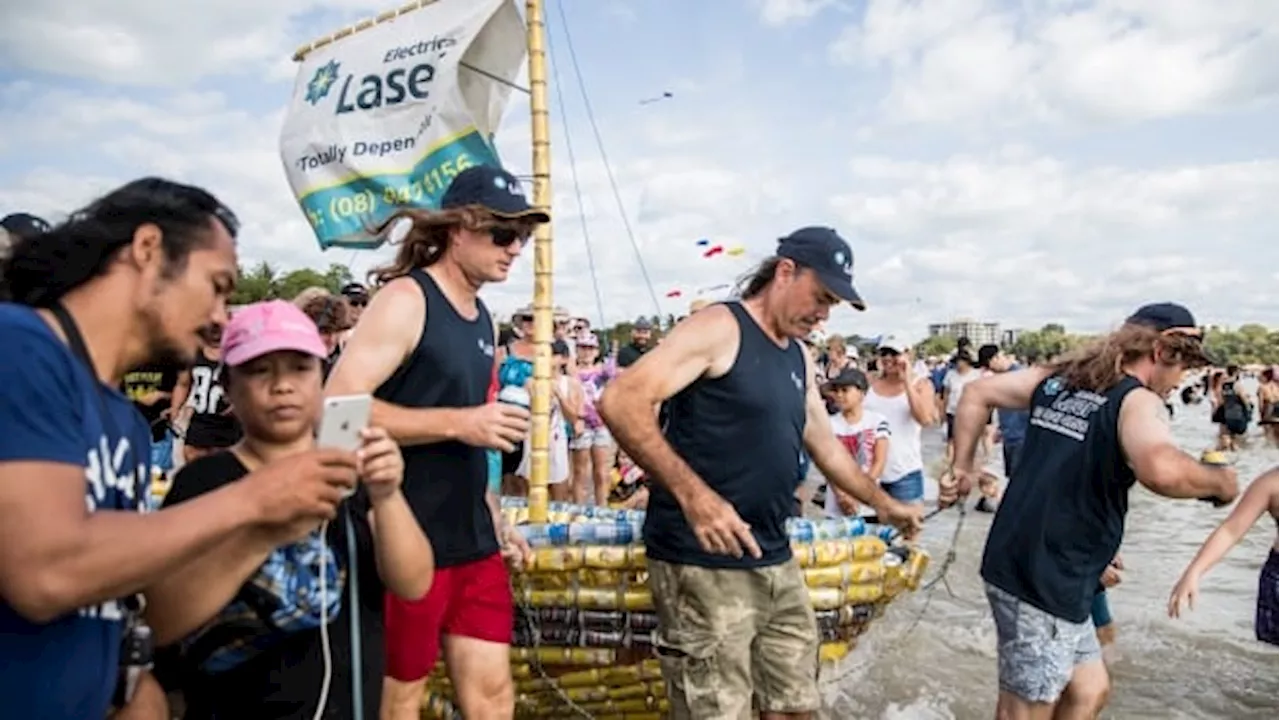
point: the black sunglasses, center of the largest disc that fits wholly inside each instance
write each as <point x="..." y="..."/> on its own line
<point x="506" y="237"/>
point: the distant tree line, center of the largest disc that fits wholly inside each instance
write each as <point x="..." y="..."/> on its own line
<point x="1249" y="344"/>
<point x="264" y="282"/>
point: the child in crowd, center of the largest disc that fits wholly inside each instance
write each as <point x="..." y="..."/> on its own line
<point x="1261" y="498"/>
<point x="272" y="635"/>
<point x="864" y="432"/>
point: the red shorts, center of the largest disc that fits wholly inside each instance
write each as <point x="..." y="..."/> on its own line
<point x="469" y="600"/>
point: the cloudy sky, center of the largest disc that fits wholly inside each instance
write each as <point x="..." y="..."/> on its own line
<point x="1024" y="162"/>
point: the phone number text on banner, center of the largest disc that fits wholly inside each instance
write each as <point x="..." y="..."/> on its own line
<point x="344" y="214"/>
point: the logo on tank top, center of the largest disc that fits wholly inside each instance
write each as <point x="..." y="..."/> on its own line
<point x="1053" y="386"/>
<point x="795" y="380"/>
<point x="1069" y="414"/>
<point x="485" y="347"/>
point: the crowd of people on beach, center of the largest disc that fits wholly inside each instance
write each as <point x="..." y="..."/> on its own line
<point x="270" y="576"/>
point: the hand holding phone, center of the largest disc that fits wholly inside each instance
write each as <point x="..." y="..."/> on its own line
<point x="381" y="465"/>
<point x="296" y="493"/>
<point x="345" y="418"/>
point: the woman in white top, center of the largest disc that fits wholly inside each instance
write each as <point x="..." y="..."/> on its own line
<point x="906" y="400"/>
<point x="963" y="373"/>
<point x="566" y="417"/>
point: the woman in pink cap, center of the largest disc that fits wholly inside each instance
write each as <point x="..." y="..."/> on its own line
<point x="285" y="633"/>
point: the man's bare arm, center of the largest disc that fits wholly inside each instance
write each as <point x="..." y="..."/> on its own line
<point x="630" y="402"/>
<point x="56" y="556"/>
<point x="1011" y="390"/>
<point x="180" y="602"/>
<point x="378" y="346"/>
<point x="1156" y="459"/>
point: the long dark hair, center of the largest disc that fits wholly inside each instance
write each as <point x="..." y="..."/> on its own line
<point x="428" y="237"/>
<point x="1099" y="365"/>
<point x="755" y="281"/>
<point x="41" y="269"/>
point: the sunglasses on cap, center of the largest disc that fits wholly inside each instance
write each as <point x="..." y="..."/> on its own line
<point x="505" y="237"/>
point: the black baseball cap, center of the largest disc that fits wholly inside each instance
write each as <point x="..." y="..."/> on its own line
<point x="493" y="189"/>
<point x="642" y="323"/>
<point x="25" y="225"/>
<point x="1165" y="316"/>
<point x="355" y="291"/>
<point x="850" y="377"/>
<point x="823" y="251"/>
<point x="1171" y="317"/>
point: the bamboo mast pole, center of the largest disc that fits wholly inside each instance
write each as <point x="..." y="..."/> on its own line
<point x="539" y="440"/>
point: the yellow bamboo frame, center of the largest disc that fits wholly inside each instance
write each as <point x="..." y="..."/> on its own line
<point x="365" y="24"/>
<point x="539" y="439"/>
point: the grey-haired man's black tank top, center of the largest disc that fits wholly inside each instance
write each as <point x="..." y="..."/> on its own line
<point x="743" y="434"/>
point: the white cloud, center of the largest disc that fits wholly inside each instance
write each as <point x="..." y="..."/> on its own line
<point x="157" y="42"/>
<point x="781" y="12"/>
<point x="1106" y="60"/>
<point x="1021" y="231"/>
<point x="1012" y="233"/>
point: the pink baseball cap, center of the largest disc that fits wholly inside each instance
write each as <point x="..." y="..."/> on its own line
<point x="266" y="327"/>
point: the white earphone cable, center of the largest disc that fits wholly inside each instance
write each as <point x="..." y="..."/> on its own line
<point x="325" y="651"/>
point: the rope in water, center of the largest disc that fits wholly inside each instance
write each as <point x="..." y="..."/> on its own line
<point x="850" y="669"/>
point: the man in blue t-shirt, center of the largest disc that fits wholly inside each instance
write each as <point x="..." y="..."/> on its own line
<point x="128" y="280"/>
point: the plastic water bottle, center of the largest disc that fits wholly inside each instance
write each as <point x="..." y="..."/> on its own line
<point x="515" y="395"/>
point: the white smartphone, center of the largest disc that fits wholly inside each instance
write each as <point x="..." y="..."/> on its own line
<point x="344" y="417"/>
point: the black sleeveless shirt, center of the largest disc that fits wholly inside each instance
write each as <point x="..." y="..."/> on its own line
<point x="212" y="425"/>
<point x="742" y="433"/>
<point x="445" y="483"/>
<point x="1061" y="519"/>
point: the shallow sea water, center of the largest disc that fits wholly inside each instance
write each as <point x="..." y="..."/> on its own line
<point x="1207" y="665"/>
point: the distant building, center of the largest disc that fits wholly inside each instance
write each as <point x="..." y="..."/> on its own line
<point x="980" y="333"/>
<point x="1009" y="337"/>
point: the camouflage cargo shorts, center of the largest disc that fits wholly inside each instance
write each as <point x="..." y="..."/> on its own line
<point x="728" y="637"/>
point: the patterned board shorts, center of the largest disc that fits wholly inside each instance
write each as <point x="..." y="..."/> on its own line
<point x="1037" y="652"/>
<point x="728" y="637"/>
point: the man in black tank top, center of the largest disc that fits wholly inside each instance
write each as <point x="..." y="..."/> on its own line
<point x="425" y="348"/>
<point x="1098" y="423"/>
<point x="734" y="616"/>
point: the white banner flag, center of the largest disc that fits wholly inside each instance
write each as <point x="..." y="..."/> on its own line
<point x="387" y="116"/>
